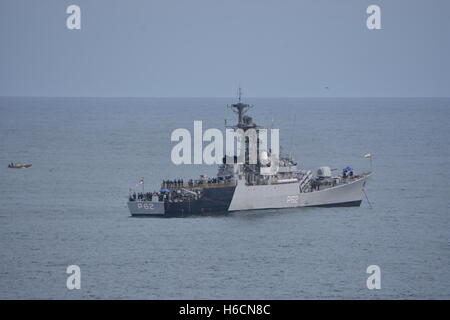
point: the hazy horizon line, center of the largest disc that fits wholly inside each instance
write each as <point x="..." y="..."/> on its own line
<point x="229" y="97"/>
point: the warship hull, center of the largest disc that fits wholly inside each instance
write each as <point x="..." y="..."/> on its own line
<point x="218" y="201"/>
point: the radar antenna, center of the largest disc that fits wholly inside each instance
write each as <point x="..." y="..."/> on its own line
<point x="240" y="109"/>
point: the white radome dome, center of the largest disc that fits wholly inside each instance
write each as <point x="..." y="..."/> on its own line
<point x="264" y="156"/>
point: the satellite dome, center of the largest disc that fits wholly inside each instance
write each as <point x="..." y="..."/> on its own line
<point x="264" y="157"/>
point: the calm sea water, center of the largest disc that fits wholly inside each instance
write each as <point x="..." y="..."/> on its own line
<point x="70" y="207"/>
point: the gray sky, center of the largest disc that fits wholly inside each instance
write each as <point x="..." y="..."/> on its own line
<point x="183" y="48"/>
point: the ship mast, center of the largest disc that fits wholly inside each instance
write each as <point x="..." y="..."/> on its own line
<point x="245" y="122"/>
<point x="241" y="109"/>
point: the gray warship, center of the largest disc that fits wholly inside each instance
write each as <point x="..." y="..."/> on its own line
<point x="243" y="186"/>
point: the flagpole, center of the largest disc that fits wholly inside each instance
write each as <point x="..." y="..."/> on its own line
<point x="369" y="155"/>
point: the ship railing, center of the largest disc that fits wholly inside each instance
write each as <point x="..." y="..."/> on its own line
<point x="186" y="185"/>
<point x="154" y="199"/>
<point x="212" y="185"/>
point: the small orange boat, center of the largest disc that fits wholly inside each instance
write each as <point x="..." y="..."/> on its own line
<point x="18" y="166"/>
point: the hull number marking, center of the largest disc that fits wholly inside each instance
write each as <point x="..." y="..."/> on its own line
<point x="146" y="206"/>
